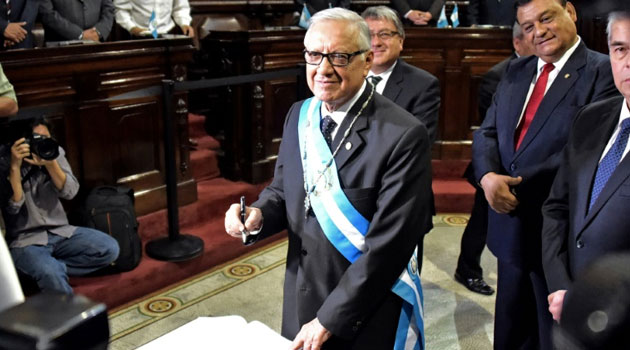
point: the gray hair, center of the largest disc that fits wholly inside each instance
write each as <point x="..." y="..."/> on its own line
<point x="614" y="17"/>
<point x="384" y="13"/>
<point x="517" y="31"/>
<point x="353" y="19"/>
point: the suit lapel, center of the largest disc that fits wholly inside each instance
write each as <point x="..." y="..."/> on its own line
<point x="560" y="87"/>
<point x="589" y="161"/>
<point x="620" y="174"/>
<point x="393" y="87"/>
<point x="354" y="142"/>
<point x="518" y="93"/>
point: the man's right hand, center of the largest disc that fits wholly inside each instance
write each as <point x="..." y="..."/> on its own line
<point x="15" y="32"/>
<point x="233" y="224"/>
<point x="137" y="31"/>
<point x="19" y="151"/>
<point x="419" y="18"/>
<point x="496" y="188"/>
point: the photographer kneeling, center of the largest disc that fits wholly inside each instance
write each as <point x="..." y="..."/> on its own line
<point x="42" y="243"/>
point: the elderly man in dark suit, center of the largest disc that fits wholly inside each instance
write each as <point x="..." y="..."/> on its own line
<point x="351" y="186"/>
<point x="418" y="12"/>
<point x="16" y="22"/>
<point x="77" y="19"/>
<point x="586" y="214"/>
<point x="517" y="151"/>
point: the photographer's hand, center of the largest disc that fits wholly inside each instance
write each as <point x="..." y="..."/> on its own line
<point x="56" y="173"/>
<point x="19" y="151"/>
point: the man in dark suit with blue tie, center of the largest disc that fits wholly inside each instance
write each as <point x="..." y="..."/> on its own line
<point x="517" y="151"/>
<point x="586" y="214"/>
<point x="17" y="18"/>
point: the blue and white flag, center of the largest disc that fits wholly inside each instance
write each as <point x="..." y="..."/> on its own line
<point x="455" y="17"/>
<point x="442" y="21"/>
<point x="305" y="18"/>
<point x="346" y="228"/>
<point x="153" y="25"/>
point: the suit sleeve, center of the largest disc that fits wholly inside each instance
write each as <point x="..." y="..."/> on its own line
<point x="427" y="107"/>
<point x="435" y="9"/>
<point x="555" y="230"/>
<point x="52" y="20"/>
<point x="391" y="238"/>
<point x="106" y="19"/>
<point x="485" y="147"/>
<point x="271" y="200"/>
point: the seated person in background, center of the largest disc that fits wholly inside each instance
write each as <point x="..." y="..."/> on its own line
<point x="42" y="243"/>
<point x="134" y="15"/>
<point x="76" y="19"/>
<point x="418" y="12"/>
<point x="16" y="21"/>
<point x="8" y="101"/>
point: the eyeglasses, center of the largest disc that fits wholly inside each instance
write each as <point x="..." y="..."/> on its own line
<point x="337" y="59"/>
<point x="384" y="35"/>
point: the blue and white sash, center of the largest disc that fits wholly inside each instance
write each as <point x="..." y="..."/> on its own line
<point x="346" y="228"/>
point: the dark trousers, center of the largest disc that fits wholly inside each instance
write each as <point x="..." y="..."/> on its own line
<point x="474" y="239"/>
<point x="521" y="318"/>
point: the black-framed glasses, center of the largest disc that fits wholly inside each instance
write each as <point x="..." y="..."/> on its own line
<point x="384" y="35"/>
<point x="337" y="59"/>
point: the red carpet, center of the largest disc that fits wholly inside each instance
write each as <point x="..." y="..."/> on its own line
<point x="204" y="219"/>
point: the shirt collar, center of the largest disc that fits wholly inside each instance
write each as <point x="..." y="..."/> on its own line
<point x="386" y="73"/>
<point x="563" y="60"/>
<point x="341" y="112"/>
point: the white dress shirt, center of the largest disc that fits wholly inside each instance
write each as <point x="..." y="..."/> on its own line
<point x="136" y="13"/>
<point x="380" y="87"/>
<point x="341" y="112"/>
<point x="552" y="75"/>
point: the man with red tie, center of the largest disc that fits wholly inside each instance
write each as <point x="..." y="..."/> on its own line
<point x="517" y="151"/>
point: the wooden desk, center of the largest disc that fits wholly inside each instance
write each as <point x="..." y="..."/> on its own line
<point x="110" y="142"/>
<point x="249" y="118"/>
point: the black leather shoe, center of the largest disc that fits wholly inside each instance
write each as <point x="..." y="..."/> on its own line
<point x="477" y="285"/>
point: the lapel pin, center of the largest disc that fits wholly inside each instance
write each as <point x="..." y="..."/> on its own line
<point x="567" y="76"/>
<point x="348" y="146"/>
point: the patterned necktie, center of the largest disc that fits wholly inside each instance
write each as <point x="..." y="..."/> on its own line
<point x="375" y="79"/>
<point x="8" y="8"/>
<point x="327" y="126"/>
<point x="532" y="104"/>
<point x="610" y="161"/>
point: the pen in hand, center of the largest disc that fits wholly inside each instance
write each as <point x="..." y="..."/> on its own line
<point x="247" y="237"/>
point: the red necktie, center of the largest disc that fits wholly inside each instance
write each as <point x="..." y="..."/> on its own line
<point x="532" y="104"/>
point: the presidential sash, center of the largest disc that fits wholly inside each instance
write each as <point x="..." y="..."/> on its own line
<point x="345" y="227"/>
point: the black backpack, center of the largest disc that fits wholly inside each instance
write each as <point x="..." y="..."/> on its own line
<point x="110" y="209"/>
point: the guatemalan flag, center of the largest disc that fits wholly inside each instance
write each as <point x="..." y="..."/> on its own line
<point x="442" y="21"/>
<point x="455" y="17"/>
<point x="305" y="18"/>
<point x="153" y="25"/>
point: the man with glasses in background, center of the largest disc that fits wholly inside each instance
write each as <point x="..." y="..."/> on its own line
<point x="414" y="89"/>
<point x="351" y="186"/>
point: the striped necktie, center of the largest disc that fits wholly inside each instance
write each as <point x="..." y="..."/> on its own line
<point x="532" y="105"/>
<point x="610" y="161"/>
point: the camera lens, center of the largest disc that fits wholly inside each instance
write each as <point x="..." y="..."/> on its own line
<point x="45" y="147"/>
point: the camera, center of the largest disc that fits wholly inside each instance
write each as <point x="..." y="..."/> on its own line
<point x="44" y="147"/>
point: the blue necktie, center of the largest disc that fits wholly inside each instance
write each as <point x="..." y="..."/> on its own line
<point x="327" y="126"/>
<point x="610" y="161"/>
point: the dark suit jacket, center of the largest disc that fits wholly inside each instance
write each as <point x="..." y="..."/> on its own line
<point x="386" y="176"/>
<point x="585" y="78"/>
<point x="418" y="92"/>
<point x="67" y="19"/>
<point x="318" y="5"/>
<point x="572" y="239"/>
<point x="497" y="12"/>
<point x="21" y="11"/>
<point x="404" y="6"/>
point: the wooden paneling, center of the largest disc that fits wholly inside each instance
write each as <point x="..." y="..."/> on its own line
<point x="107" y="141"/>
<point x="251" y="122"/>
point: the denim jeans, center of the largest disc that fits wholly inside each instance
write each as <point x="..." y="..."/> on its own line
<point x="86" y="251"/>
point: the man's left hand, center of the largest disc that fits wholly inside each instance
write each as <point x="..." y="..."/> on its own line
<point x="311" y="337"/>
<point x="188" y="30"/>
<point x="91" y="34"/>
<point x="555" y="301"/>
